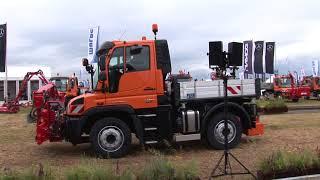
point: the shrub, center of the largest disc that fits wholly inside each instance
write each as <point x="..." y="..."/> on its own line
<point x="272" y="105"/>
<point x="90" y="172"/>
<point x="290" y="163"/>
<point x="158" y="169"/>
<point x="187" y="172"/>
<point x="161" y="169"/>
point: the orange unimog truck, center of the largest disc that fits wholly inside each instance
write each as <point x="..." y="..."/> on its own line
<point x="67" y="86"/>
<point x="133" y="96"/>
<point x="73" y="89"/>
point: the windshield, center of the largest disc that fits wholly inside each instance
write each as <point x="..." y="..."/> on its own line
<point x="285" y="82"/>
<point x="61" y="84"/>
<point x="95" y="75"/>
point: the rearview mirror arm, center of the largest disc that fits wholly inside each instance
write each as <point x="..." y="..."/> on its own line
<point x="90" y="70"/>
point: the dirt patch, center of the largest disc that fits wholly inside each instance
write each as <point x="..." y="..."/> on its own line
<point x="288" y="132"/>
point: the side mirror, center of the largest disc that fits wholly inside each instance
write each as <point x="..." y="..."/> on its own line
<point x="135" y="49"/>
<point x="85" y="62"/>
<point x="102" y="63"/>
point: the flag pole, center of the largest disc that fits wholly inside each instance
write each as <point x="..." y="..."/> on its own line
<point x="5" y="66"/>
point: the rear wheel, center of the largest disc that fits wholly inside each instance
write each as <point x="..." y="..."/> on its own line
<point x="215" y="131"/>
<point x="110" y="138"/>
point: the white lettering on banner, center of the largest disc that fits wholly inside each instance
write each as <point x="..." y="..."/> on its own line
<point x="315" y="68"/>
<point x="90" y="42"/>
<point x="246" y="54"/>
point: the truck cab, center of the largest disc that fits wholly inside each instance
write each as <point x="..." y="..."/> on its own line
<point x="126" y="74"/>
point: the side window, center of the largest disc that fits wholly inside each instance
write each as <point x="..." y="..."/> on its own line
<point x="138" y="61"/>
<point x="115" y="64"/>
<point x="116" y="60"/>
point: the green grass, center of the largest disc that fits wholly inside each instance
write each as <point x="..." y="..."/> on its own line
<point x="290" y="161"/>
<point x="271" y="103"/>
<point x="159" y="168"/>
<point x="303" y="102"/>
<point x="33" y="173"/>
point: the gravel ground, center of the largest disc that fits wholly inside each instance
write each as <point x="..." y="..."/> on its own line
<point x="288" y="132"/>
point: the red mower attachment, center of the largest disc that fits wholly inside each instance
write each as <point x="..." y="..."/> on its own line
<point x="49" y="107"/>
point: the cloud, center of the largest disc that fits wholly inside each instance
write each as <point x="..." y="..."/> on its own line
<point x="54" y="33"/>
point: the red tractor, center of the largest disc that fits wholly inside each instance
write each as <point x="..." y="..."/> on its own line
<point x="313" y="83"/>
<point x="284" y="86"/>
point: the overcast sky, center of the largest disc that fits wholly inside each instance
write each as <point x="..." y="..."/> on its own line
<point x="55" y="32"/>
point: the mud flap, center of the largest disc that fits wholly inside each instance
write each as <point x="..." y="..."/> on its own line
<point x="258" y="130"/>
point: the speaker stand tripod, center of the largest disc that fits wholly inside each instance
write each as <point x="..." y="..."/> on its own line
<point x="226" y="168"/>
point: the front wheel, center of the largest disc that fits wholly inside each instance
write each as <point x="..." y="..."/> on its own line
<point x="110" y="138"/>
<point x="215" y="131"/>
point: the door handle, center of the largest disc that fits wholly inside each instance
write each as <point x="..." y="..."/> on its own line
<point x="149" y="89"/>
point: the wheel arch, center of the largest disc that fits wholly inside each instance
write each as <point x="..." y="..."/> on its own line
<point x="123" y="112"/>
<point x="235" y="108"/>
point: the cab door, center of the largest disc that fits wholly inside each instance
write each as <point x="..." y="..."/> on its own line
<point x="134" y="76"/>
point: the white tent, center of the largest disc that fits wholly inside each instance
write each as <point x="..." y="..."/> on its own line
<point x="15" y="77"/>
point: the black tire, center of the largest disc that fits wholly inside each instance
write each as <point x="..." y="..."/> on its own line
<point x="116" y="132"/>
<point x="216" y="139"/>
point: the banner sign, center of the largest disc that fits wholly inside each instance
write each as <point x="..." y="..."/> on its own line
<point x="315" y="68"/>
<point x="302" y="73"/>
<point x="247" y="57"/>
<point x="3" y="46"/>
<point x="269" y="58"/>
<point x="258" y="57"/>
<point x="93" y="44"/>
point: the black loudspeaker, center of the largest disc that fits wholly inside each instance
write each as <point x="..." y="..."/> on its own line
<point x="215" y="53"/>
<point x="235" y="53"/>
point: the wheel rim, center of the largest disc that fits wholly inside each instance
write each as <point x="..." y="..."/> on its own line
<point x="218" y="131"/>
<point x="110" y="138"/>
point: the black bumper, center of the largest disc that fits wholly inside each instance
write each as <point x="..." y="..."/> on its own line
<point x="73" y="129"/>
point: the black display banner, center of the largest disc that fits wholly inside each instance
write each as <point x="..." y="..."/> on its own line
<point x="258" y="57"/>
<point x="270" y="48"/>
<point x="247" y="57"/>
<point x="3" y="46"/>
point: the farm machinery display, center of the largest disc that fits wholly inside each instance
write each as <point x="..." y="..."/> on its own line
<point x="67" y="88"/>
<point x="313" y="83"/>
<point x="13" y="106"/>
<point x="131" y="94"/>
<point x="284" y="86"/>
